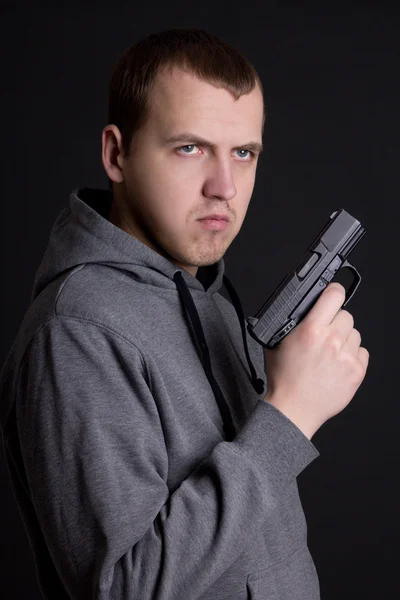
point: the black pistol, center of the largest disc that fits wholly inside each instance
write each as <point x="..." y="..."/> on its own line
<point x="300" y="289"/>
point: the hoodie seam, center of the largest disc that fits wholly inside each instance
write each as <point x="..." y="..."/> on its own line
<point x="92" y="321"/>
<point x="104" y="326"/>
<point x="75" y="270"/>
<point x="98" y="323"/>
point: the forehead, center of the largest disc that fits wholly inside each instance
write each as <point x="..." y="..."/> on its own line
<point x="180" y="100"/>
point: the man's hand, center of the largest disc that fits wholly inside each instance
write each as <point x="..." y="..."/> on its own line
<point x="317" y="368"/>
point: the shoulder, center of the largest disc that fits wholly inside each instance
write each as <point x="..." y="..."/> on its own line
<point x="103" y="296"/>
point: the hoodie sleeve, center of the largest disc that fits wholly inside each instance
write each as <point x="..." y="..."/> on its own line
<point x="96" y="463"/>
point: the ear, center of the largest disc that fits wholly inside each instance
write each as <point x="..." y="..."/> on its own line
<point x="112" y="153"/>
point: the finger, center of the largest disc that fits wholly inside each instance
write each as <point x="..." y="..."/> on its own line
<point x="353" y="341"/>
<point x="343" y="323"/>
<point x="363" y="357"/>
<point x="328" y="304"/>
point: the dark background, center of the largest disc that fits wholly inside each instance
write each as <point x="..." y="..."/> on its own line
<point x="330" y="81"/>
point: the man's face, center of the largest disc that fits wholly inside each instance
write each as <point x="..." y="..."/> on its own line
<point x="169" y="185"/>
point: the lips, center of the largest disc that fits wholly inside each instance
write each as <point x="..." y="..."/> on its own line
<point x="215" y="222"/>
<point x="217" y="217"/>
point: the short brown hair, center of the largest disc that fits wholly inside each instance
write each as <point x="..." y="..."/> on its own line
<point x="194" y="50"/>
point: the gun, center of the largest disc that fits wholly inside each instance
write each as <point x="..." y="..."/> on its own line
<point x="297" y="293"/>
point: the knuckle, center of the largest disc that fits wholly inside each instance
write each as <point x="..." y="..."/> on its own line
<point x="359" y="370"/>
<point x="364" y="353"/>
<point x="335" y="341"/>
<point x="360" y="373"/>
<point x="355" y="370"/>
<point x="348" y="316"/>
<point x="310" y="333"/>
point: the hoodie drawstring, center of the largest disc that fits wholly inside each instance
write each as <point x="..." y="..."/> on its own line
<point x="258" y="383"/>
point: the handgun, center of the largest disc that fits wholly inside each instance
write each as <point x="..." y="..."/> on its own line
<point x="294" y="297"/>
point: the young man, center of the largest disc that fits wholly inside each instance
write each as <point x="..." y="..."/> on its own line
<point x="147" y="455"/>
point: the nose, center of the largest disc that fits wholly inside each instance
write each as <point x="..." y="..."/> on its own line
<point x="219" y="181"/>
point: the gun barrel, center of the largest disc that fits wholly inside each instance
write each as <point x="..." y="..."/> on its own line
<point x="352" y="242"/>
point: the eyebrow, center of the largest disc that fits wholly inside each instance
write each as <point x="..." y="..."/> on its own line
<point x="186" y="136"/>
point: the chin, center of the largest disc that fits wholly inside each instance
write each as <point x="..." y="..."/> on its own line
<point x="198" y="255"/>
<point x="205" y="261"/>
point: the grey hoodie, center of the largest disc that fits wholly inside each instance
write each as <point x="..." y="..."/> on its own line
<point x="145" y="461"/>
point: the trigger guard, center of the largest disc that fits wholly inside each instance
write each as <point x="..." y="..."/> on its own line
<point x="354" y="285"/>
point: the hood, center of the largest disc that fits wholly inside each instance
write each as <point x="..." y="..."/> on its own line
<point x="83" y="234"/>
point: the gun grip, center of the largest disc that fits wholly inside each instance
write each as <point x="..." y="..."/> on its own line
<point x="355" y="283"/>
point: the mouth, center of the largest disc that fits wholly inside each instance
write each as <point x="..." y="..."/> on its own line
<point x="215" y="217"/>
<point x="214" y="222"/>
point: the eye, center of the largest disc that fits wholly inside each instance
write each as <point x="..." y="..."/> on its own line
<point x="250" y="154"/>
<point x="190" y="146"/>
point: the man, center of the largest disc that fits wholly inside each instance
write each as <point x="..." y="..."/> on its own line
<point x="148" y="456"/>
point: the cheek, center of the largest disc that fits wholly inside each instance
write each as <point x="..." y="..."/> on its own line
<point x="169" y="179"/>
<point x="167" y="203"/>
<point x="154" y="188"/>
<point x="172" y="190"/>
<point x="246" y="192"/>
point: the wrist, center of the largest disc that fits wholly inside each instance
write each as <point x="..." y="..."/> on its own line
<point x="296" y="414"/>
